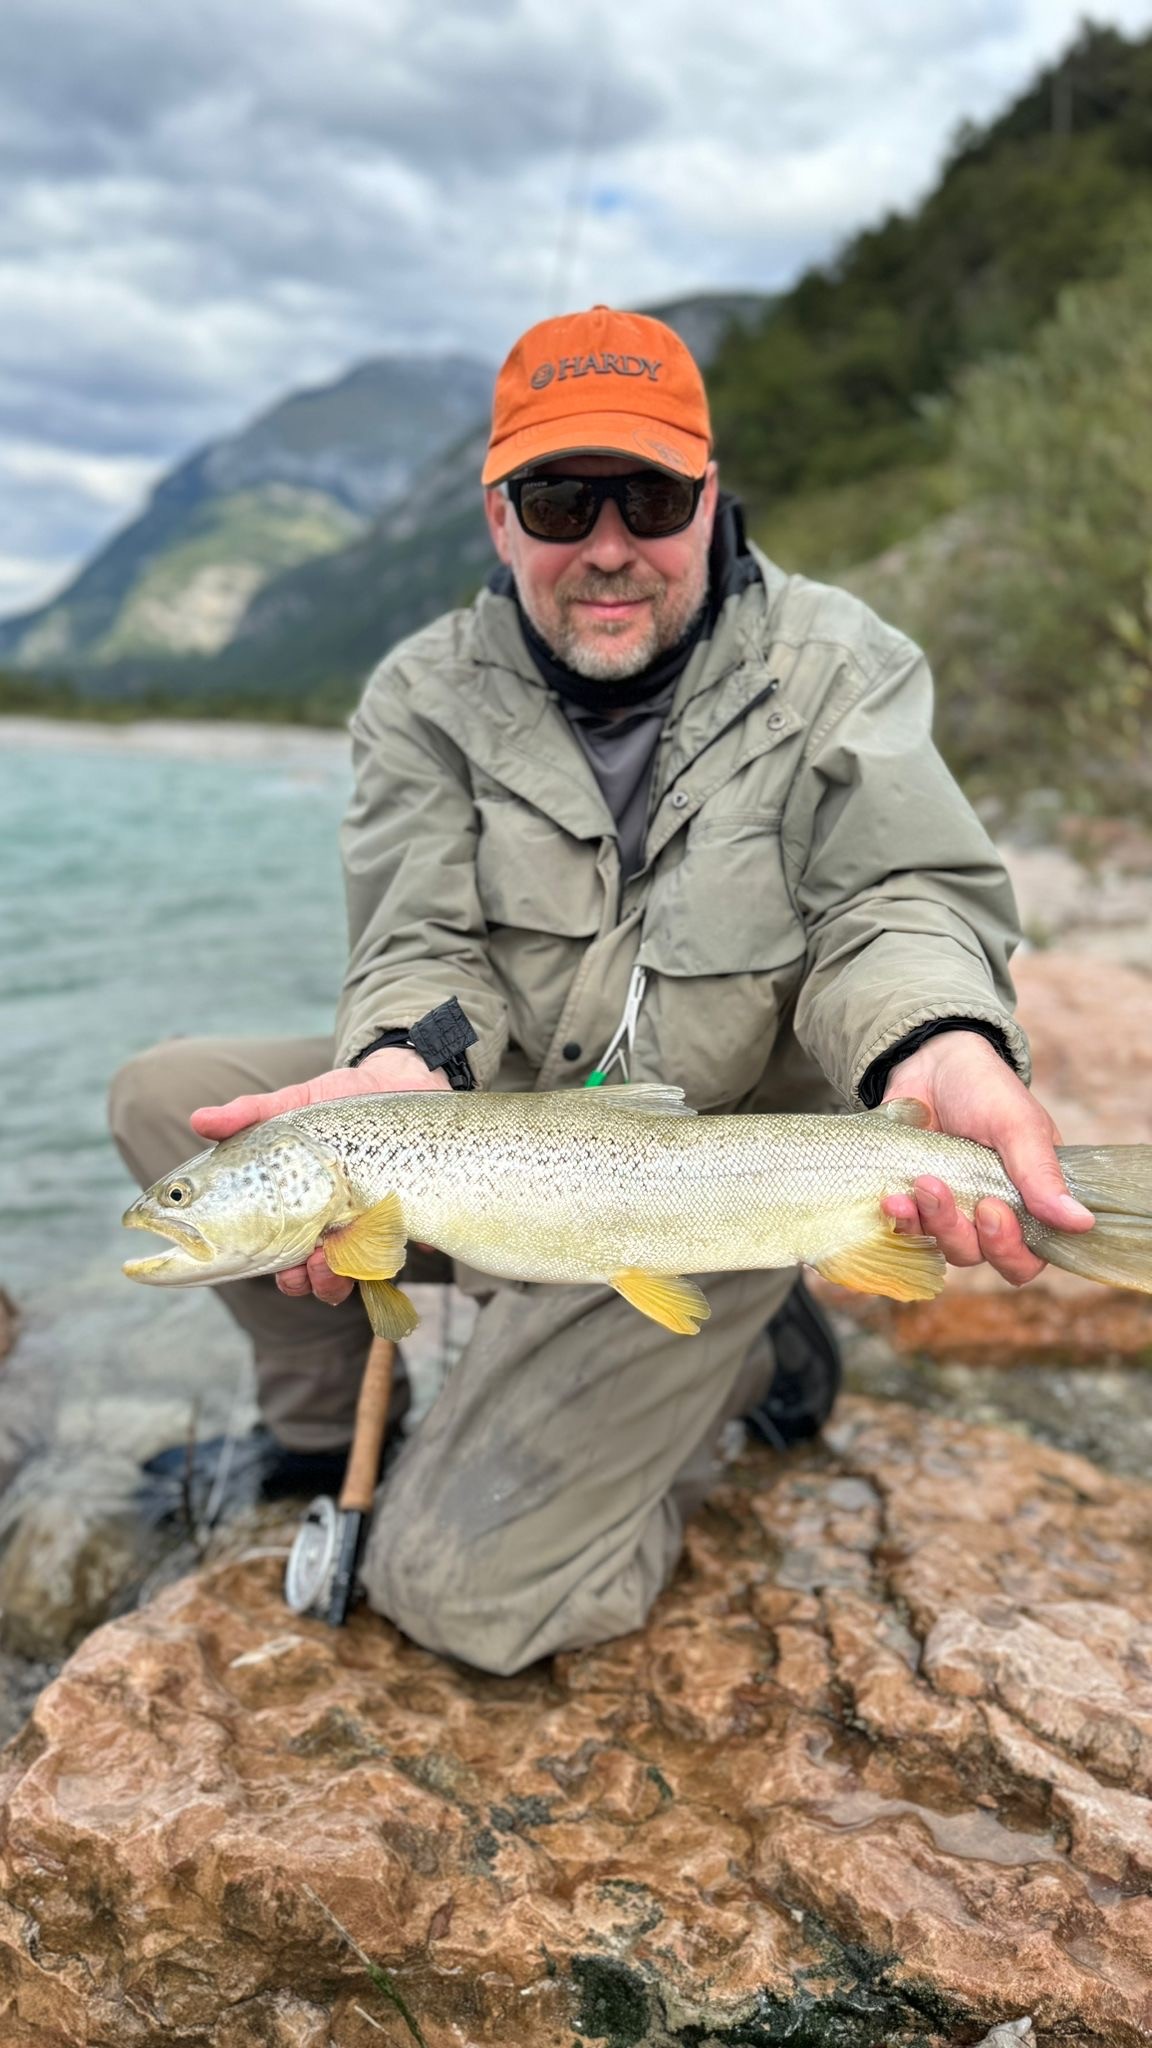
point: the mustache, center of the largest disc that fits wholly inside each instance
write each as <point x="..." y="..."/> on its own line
<point x="609" y="589"/>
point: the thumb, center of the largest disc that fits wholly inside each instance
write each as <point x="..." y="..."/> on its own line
<point x="223" y="1120"/>
<point x="1031" y="1163"/>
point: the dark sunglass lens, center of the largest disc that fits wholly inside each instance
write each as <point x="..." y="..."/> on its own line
<point x="557" y="507"/>
<point x="657" y="504"/>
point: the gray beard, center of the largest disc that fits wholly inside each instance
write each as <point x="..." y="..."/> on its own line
<point x="600" y="662"/>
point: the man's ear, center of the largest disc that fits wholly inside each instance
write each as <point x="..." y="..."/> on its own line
<point x="496" y="512"/>
<point x="708" y="498"/>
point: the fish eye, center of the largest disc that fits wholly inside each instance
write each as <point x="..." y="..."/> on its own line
<point x="177" y="1191"/>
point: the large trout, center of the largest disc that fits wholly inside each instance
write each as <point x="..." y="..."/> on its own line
<point x="622" y="1186"/>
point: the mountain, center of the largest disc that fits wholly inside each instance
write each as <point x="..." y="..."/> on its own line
<point x="302" y="481"/>
<point x="254" y="572"/>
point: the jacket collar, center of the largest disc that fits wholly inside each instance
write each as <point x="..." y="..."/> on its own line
<point x="495" y="705"/>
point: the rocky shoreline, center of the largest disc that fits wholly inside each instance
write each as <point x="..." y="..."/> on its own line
<point x="879" y="1770"/>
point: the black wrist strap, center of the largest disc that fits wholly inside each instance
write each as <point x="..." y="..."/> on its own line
<point x="394" y="1034"/>
<point x="441" y="1037"/>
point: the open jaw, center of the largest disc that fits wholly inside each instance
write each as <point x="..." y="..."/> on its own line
<point x="187" y="1245"/>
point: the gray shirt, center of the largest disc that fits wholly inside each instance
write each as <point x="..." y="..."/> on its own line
<point x="620" y="753"/>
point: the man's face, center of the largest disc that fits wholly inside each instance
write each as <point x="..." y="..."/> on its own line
<point x="607" y="605"/>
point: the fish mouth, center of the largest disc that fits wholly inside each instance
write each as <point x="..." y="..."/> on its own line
<point x="187" y="1242"/>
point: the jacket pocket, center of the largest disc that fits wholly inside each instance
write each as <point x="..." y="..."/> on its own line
<point x="533" y="877"/>
<point x="727" y="952"/>
<point x="724" y="906"/>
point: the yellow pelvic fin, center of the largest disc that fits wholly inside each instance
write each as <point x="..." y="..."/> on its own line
<point x="903" y="1268"/>
<point x="676" y="1303"/>
<point x="372" y="1246"/>
<point x="390" y="1312"/>
<point x="905" y="1109"/>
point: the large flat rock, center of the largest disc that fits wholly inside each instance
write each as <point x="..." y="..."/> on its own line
<point x="877" y="1772"/>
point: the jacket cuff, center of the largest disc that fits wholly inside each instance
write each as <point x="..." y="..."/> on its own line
<point x="897" y="1041"/>
<point x="875" y="1080"/>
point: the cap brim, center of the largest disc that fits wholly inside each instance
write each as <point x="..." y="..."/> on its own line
<point x="598" y="433"/>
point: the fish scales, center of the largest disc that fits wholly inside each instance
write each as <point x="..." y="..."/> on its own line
<point x="554" y="1188"/>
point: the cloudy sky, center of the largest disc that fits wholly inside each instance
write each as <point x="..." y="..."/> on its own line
<point x="204" y="206"/>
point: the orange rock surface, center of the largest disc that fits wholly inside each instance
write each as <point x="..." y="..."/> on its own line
<point x="879" y="1769"/>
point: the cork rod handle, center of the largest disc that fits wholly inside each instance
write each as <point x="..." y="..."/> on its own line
<point x="371" y="1421"/>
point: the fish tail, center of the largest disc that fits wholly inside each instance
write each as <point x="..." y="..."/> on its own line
<point x="1115" y="1182"/>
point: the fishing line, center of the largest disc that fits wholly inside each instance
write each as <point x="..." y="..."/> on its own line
<point x="586" y="139"/>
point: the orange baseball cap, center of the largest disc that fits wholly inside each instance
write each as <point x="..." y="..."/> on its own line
<point x="604" y="383"/>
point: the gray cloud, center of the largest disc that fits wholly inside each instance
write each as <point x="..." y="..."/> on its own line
<point x="206" y="206"/>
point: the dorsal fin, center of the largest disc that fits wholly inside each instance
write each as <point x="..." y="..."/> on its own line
<point x="640" y="1098"/>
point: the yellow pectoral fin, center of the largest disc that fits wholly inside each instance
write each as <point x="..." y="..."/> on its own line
<point x="390" y="1312"/>
<point x="903" y="1268"/>
<point x="371" y="1247"/>
<point x="676" y="1303"/>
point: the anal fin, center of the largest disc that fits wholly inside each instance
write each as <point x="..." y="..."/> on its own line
<point x="372" y="1246"/>
<point x="390" y="1312"/>
<point x="667" y="1298"/>
<point x="887" y="1262"/>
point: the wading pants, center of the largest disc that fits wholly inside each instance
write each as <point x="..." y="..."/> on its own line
<point x="539" y="1506"/>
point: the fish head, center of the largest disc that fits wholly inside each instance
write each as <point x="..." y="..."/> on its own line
<point x="254" y="1204"/>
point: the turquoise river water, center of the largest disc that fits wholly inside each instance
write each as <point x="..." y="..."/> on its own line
<point x="152" y="882"/>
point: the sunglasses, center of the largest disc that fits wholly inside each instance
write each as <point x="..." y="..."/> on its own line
<point x="566" y="508"/>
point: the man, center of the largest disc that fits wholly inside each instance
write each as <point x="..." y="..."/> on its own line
<point x="645" y="778"/>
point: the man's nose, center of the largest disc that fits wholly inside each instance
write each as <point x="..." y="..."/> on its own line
<point x="609" y="545"/>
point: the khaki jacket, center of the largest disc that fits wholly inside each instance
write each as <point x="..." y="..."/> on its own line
<point x="814" y="887"/>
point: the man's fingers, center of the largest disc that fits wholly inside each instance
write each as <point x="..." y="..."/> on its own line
<point x="315" y="1278"/>
<point x="327" y="1285"/>
<point x="223" y="1120"/>
<point x="941" y="1219"/>
<point x="294" y="1280"/>
<point x="1002" y="1243"/>
<point x="904" y="1214"/>
<point x="931" y="1212"/>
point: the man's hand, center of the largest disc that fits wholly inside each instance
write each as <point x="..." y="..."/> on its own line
<point x="396" y="1068"/>
<point x="973" y="1093"/>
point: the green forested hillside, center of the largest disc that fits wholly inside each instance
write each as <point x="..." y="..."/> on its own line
<point x="1034" y="599"/>
<point x="825" y="414"/>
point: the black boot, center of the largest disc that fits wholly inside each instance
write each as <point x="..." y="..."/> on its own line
<point x="809" y="1369"/>
<point x="248" y="1468"/>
